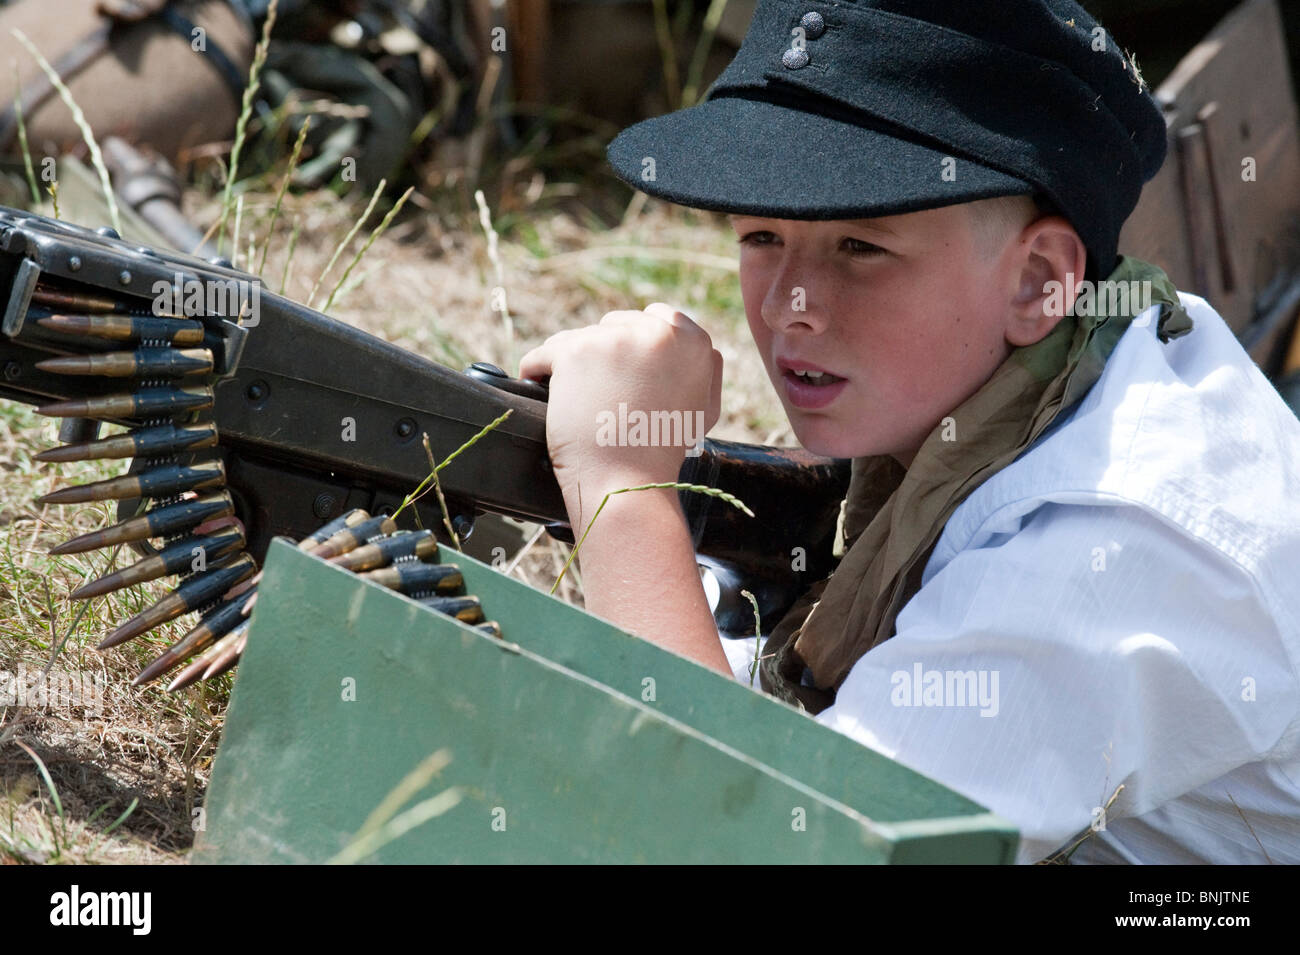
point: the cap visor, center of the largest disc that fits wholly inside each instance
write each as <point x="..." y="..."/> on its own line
<point x="753" y="157"/>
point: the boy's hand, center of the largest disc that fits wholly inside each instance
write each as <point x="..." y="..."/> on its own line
<point x="656" y="360"/>
<point x="638" y="563"/>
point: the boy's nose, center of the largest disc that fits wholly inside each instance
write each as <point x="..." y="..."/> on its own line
<point x="790" y="303"/>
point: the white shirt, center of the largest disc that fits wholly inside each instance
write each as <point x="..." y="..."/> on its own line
<point x="1128" y="591"/>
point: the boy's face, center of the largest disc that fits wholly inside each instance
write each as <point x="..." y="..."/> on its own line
<point x="907" y="312"/>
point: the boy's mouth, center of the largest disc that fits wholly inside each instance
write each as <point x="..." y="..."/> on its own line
<point x="815" y="377"/>
<point x="807" y="386"/>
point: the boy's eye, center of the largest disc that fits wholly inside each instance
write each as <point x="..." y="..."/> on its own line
<point x="859" y="247"/>
<point x="757" y="238"/>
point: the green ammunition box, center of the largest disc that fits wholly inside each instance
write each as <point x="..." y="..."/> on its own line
<point x="569" y="741"/>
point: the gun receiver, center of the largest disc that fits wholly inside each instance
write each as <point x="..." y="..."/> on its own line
<point x="313" y="417"/>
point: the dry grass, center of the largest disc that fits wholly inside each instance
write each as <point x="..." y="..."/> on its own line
<point x="425" y="285"/>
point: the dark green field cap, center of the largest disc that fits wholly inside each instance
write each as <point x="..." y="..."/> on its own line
<point x="848" y="110"/>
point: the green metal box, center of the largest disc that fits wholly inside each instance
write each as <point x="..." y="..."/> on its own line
<point x="569" y="741"/>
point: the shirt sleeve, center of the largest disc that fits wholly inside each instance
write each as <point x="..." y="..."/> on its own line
<point x="1094" y="647"/>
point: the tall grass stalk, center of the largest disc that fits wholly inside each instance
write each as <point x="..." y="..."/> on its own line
<point x="78" y="117"/>
<point x="22" y="139"/>
<point x="241" y="124"/>
<point x="690" y="93"/>
<point x="421" y="490"/>
<point x="234" y="239"/>
<point x="293" y="244"/>
<point x="668" y="52"/>
<point x="697" y="488"/>
<point x="758" y="634"/>
<point x="338" y="250"/>
<point x="437" y="490"/>
<point x="494" y="255"/>
<point x="375" y="234"/>
<point x="279" y="196"/>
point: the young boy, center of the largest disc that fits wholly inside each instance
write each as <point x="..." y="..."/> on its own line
<point x="1072" y="531"/>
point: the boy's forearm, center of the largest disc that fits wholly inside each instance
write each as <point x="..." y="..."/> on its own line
<point x="639" y="572"/>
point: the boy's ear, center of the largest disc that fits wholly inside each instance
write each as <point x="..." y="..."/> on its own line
<point x="1048" y="264"/>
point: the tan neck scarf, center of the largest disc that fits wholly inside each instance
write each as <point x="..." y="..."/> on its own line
<point x="893" y="517"/>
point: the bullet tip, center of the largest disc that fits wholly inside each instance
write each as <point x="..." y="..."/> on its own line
<point x="120" y="635"/>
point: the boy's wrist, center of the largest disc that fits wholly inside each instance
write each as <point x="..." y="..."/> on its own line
<point x="584" y="501"/>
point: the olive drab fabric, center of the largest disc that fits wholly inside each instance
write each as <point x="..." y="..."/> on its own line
<point x="893" y="517"/>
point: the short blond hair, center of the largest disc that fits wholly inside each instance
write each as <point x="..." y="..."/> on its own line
<point x="994" y="221"/>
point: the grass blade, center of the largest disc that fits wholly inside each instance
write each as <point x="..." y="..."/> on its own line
<point x="697" y="488"/>
<point x="378" y="231"/>
<point x="49" y="784"/>
<point x="78" y="117"/>
<point x="22" y="139"/>
<point x="284" y="185"/>
<point x="338" y="250"/>
<point x="419" y="491"/>
<point x="241" y="125"/>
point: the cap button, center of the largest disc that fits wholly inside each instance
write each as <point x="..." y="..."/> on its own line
<point x="795" y="59"/>
<point x="813" y="24"/>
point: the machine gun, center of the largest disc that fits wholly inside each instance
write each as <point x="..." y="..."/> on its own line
<point x="242" y="403"/>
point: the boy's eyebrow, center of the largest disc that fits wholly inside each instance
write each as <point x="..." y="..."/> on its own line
<point x="870" y="225"/>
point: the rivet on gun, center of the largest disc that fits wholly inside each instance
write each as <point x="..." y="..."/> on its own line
<point x="74" y="263"/>
<point x="124" y="277"/>
<point x="256" y="391"/>
<point x="323" y="506"/>
<point x="463" y="525"/>
<point x="405" y="428"/>
<point x="12" y="370"/>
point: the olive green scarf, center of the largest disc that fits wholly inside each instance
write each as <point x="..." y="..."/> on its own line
<point x="893" y="517"/>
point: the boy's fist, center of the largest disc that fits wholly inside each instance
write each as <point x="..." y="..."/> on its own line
<point x="659" y="366"/>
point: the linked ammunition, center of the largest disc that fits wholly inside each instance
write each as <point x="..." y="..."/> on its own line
<point x="386" y="550"/>
<point x="218" y="622"/>
<point x="213" y="550"/>
<point x="351" y="519"/>
<point x="62" y="298"/>
<point x="464" y="609"/>
<point x="228" y="655"/>
<point x="143" y="403"/>
<point x="159" y="481"/>
<point x="137" y="443"/>
<point x="416" y="579"/>
<point x="141" y="363"/>
<point x="196" y="668"/>
<point x="349" y="538"/>
<point x="127" y="328"/>
<point x="190" y="595"/>
<point x="160" y="522"/>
